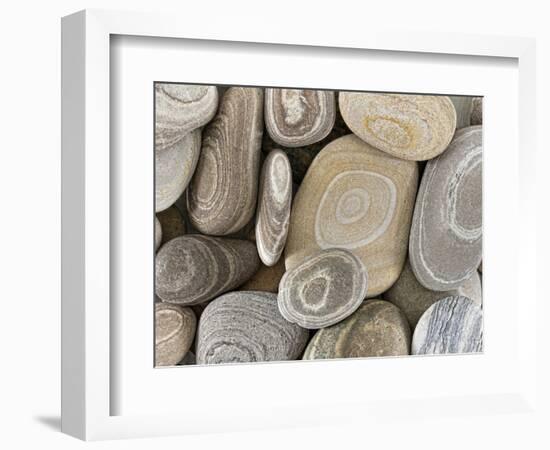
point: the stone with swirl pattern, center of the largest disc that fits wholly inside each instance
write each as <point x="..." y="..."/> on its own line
<point x="174" y="333"/>
<point x="357" y="198"/>
<point x="413" y="127"/>
<point x="221" y="198"/>
<point x="446" y="232"/>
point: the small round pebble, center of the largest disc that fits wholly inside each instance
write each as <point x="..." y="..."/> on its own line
<point x="174" y="333"/>
<point x="158" y="233"/>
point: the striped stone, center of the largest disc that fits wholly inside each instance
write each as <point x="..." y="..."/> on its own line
<point x="174" y="333"/>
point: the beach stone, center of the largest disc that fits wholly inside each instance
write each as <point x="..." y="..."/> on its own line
<point x="158" y="233"/>
<point x="414" y="127"/>
<point x="452" y="325"/>
<point x="446" y="232"/>
<point x="266" y="279"/>
<point x="324" y="289"/>
<point x="357" y="198"/>
<point x="180" y="109"/>
<point x="174" y="332"/>
<point x="298" y="117"/>
<point x="414" y="299"/>
<point x="377" y="328"/>
<point x="194" y="269"/>
<point x="477" y="111"/>
<point x="274" y="202"/>
<point x="463" y="107"/>
<point x="221" y="198"/>
<point x="172" y="223"/>
<point x="247" y="327"/>
<point x="174" y="167"/>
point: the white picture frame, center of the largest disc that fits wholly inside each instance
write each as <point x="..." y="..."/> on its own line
<point x="107" y="381"/>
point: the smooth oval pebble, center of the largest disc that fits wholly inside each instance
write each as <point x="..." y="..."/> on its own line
<point x="180" y="109"/>
<point x="414" y="127"/>
<point x="377" y="328"/>
<point x="446" y="232"/>
<point x="158" y="233"/>
<point x="452" y="325"/>
<point x="274" y="202"/>
<point x="414" y="299"/>
<point x="174" y="333"/>
<point x="193" y="269"/>
<point x="477" y="111"/>
<point x="298" y="117"/>
<point x="172" y="223"/>
<point x="174" y="167"/>
<point x="221" y="198"/>
<point x="267" y="278"/>
<point x="358" y="198"/>
<point x="247" y="327"/>
<point x="324" y="289"/>
<point x="463" y="107"/>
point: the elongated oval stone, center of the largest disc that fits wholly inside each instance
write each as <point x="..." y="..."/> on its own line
<point x="174" y="333"/>
<point x="477" y="111"/>
<point x="324" y="289"/>
<point x="452" y="325"/>
<point x="274" y="201"/>
<point x="446" y="232"/>
<point x="377" y="328"/>
<point x="158" y="233"/>
<point x="298" y="117"/>
<point x="180" y="109"/>
<point x="463" y="107"/>
<point x="357" y="198"/>
<point x="172" y="223"/>
<point x="174" y="167"/>
<point x="193" y="269"/>
<point x="221" y="198"/>
<point x="247" y="327"/>
<point x="414" y="299"/>
<point x="414" y="127"/>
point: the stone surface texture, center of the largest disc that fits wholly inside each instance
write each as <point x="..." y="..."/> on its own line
<point x="221" y="198"/>
<point x="247" y="327"/>
<point x="446" y="233"/>
<point x="452" y="325"/>
<point x="377" y="328"/>
<point x="266" y="279"/>
<point x="463" y="107"/>
<point x="477" y="111"/>
<point x="324" y="289"/>
<point x="414" y="127"/>
<point x="194" y="269"/>
<point x="172" y="223"/>
<point x="298" y="117"/>
<point x="357" y="198"/>
<point x="174" y="333"/>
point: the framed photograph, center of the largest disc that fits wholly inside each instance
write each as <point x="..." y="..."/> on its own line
<point x="268" y="228"/>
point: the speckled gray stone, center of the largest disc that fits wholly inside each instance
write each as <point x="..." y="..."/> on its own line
<point x="452" y="325"/>
<point x="174" y="332"/>
<point x="174" y="167"/>
<point x="414" y="299"/>
<point x="477" y="111"/>
<point x="221" y="198"/>
<point x="463" y="107"/>
<point x="377" y="328"/>
<point x="180" y="109"/>
<point x="158" y="233"/>
<point x="298" y="117"/>
<point x="172" y="223"/>
<point x="193" y="269"/>
<point x="247" y="327"/>
<point x="324" y="289"/>
<point x="446" y="231"/>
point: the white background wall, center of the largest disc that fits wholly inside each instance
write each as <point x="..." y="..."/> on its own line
<point x="30" y="199"/>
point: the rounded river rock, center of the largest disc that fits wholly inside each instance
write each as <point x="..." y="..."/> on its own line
<point x="324" y="289"/>
<point x="247" y="327"/>
<point x="377" y="328"/>
<point x="357" y="198"/>
<point x="174" y="333"/>
<point x="415" y="127"/>
<point x="193" y="269"/>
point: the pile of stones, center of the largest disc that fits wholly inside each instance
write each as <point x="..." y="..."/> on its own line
<point x="306" y="224"/>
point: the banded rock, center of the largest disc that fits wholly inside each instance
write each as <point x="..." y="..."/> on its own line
<point x="324" y="289"/>
<point x="413" y="127"/>
<point x="452" y="325"/>
<point x="274" y="202"/>
<point x="446" y="232"/>
<point x="193" y="269"/>
<point x="377" y="328"/>
<point x="298" y="117"/>
<point x="180" y="109"/>
<point x="174" y="167"/>
<point x="357" y="198"/>
<point x="172" y="223"/>
<point x="221" y="198"/>
<point x="247" y="327"/>
<point x="174" y="333"/>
